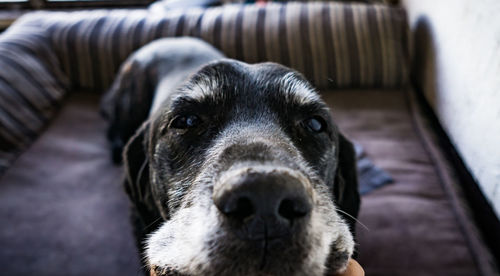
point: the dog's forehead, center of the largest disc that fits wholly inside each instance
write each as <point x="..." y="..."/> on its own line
<point x="229" y="79"/>
<point x="287" y="83"/>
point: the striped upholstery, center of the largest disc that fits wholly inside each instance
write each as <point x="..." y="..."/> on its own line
<point x="46" y="54"/>
<point x="31" y="88"/>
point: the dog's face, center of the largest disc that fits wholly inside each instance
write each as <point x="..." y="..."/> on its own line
<point x="248" y="171"/>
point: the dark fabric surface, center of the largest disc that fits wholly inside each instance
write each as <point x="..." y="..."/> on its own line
<point x="412" y="228"/>
<point x="63" y="210"/>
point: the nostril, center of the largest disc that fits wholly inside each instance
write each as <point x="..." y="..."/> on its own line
<point x="293" y="209"/>
<point x="239" y="208"/>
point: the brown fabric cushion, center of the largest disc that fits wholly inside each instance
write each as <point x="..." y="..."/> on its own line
<point x="63" y="210"/>
<point x="414" y="225"/>
<point x="62" y="204"/>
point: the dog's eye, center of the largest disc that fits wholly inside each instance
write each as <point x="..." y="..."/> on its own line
<point x="315" y="124"/>
<point x="184" y="122"/>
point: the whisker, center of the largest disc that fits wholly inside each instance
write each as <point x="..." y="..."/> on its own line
<point x="145" y="264"/>
<point x="355" y="219"/>
<point x="154" y="221"/>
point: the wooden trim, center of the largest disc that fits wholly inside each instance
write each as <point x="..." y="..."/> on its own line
<point x="10" y="11"/>
<point x="14" y="5"/>
<point x="94" y="4"/>
<point x="7" y="17"/>
<point x="45" y="4"/>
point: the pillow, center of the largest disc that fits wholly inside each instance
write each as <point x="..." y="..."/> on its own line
<point x="31" y="88"/>
<point x="334" y="45"/>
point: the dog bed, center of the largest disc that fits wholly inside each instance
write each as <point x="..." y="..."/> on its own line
<point x="62" y="207"/>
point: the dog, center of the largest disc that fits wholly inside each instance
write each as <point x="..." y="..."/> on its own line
<point x="231" y="168"/>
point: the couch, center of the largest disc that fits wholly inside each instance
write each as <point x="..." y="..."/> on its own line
<point x="62" y="207"/>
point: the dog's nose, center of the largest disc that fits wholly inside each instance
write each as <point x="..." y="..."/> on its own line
<point x="265" y="205"/>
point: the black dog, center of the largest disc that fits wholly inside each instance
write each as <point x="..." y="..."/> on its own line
<point x="237" y="169"/>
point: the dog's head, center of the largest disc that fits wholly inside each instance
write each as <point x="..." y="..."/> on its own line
<point x="249" y="172"/>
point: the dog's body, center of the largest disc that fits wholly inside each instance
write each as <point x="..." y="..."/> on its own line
<point x="237" y="170"/>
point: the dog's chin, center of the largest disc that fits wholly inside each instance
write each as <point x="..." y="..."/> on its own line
<point x="192" y="242"/>
<point x="271" y="268"/>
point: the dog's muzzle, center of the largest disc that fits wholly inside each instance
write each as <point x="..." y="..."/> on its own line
<point x="264" y="204"/>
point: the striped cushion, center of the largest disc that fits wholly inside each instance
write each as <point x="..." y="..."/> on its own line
<point x="45" y="54"/>
<point x="335" y="45"/>
<point x="31" y="88"/>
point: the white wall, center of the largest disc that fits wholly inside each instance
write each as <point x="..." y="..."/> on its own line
<point x="461" y="79"/>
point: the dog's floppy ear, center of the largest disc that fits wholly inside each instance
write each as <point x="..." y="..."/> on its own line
<point x="126" y="104"/>
<point x="137" y="181"/>
<point x="345" y="187"/>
